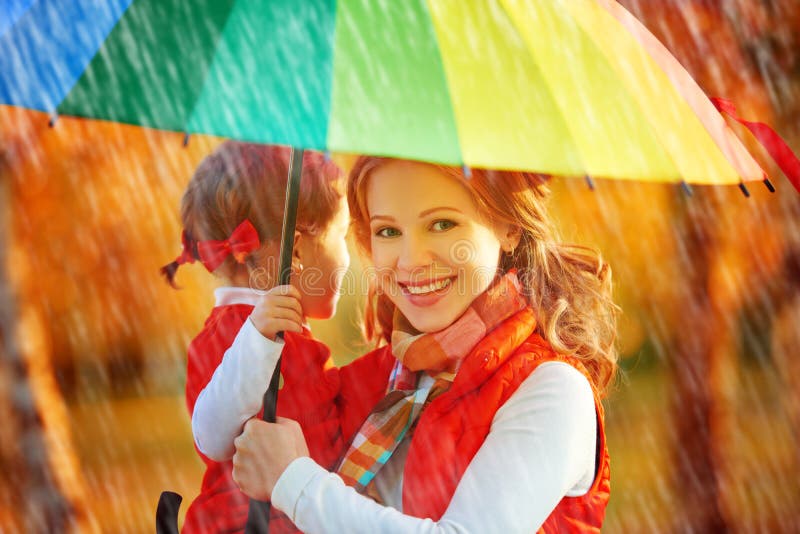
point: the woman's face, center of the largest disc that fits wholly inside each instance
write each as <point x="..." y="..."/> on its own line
<point x="433" y="250"/>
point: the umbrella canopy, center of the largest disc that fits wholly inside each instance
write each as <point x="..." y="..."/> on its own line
<point x="572" y="87"/>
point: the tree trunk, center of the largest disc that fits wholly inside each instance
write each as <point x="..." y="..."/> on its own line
<point x="694" y="405"/>
<point x="43" y="490"/>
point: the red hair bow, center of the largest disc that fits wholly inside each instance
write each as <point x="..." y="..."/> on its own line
<point x="242" y="242"/>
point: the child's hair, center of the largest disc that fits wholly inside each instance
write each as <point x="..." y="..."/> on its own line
<point x="569" y="286"/>
<point x="245" y="181"/>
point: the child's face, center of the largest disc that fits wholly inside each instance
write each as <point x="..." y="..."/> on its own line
<point x="325" y="259"/>
<point x="433" y="250"/>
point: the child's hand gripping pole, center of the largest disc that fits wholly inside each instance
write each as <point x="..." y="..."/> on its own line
<point x="258" y="514"/>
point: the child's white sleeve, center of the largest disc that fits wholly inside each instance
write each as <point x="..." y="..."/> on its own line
<point x="235" y="392"/>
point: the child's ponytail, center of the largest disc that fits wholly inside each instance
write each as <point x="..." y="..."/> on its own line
<point x="188" y="255"/>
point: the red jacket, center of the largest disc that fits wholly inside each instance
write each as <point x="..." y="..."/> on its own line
<point x="308" y="396"/>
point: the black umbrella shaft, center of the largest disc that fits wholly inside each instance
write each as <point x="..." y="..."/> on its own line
<point x="258" y="514"/>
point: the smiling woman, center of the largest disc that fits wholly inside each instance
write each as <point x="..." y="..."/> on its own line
<point x="483" y="413"/>
<point x="504" y="225"/>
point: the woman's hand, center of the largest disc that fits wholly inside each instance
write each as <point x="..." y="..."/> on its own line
<point x="278" y="310"/>
<point x="263" y="452"/>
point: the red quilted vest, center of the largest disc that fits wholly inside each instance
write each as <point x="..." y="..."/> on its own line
<point x="456" y="423"/>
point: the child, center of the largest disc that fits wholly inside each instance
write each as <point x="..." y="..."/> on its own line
<point x="484" y="412"/>
<point x="232" y="214"/>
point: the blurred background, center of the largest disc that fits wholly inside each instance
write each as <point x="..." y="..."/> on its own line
<point x="703" y="423"/>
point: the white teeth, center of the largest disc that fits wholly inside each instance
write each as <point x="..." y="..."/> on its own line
<point x="435" y="286"/>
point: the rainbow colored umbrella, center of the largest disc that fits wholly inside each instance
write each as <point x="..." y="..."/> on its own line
<point x="571" y="87"/>
<point x="566" y="87"/>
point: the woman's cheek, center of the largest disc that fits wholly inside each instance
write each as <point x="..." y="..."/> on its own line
<point x="381" y="255"/>
<point x="384" y="277"/>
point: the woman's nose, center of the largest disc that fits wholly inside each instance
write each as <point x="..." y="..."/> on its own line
<point x="414" y="254"/>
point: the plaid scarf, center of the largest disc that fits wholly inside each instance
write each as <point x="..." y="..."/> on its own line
<point x="439" y="354"/>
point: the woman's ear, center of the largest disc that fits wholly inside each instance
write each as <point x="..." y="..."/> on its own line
<point x="511" y="236"/>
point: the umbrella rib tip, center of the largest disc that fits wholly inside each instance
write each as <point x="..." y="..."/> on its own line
<point x="743" y="189"/>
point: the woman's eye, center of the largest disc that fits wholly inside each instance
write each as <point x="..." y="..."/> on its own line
<point x="441" y="226"/>
<point x="387" y="231"/>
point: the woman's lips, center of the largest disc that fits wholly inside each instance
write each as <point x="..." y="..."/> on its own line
<point x="428" y="292"/>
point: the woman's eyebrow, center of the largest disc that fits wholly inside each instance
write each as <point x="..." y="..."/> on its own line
<point x="440" y="208"/>
<point x="422" y="214"/>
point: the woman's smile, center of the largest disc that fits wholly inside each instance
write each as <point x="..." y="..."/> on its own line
<point x="426" y="292"/>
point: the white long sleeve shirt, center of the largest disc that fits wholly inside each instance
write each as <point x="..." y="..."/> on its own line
<point x="237" y="387"/>
<point x="541" y="447"/>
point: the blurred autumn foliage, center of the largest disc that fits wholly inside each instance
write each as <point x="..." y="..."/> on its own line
<point x="93" y="218"/>
<point x="708" y="284"/>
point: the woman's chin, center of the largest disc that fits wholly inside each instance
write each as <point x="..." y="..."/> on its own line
<point x="430" y="321"/>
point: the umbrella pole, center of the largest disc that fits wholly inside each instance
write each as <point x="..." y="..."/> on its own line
<point x="258" y="513"/>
